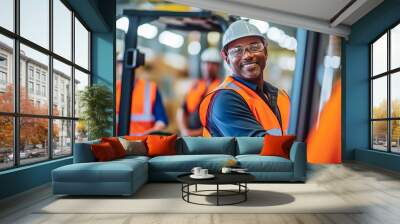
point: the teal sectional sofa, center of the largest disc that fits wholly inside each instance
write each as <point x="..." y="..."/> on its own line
<point x="125" y="176"/>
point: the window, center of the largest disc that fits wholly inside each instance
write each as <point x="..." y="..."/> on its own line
<point x="3" y="61"/>
<point x="30" y="87"/>
<point x="3" y="78"/>
<point x="3" y="72"/>
<point x="63" y="75"/>
<point x="34" y="24"/>
<point x="38" y="89"/>
<point x="62" y="30"/>
<point x="43" y="90"/>
<point x="7" y="14"/>
<point x="81" y="45"/>
<point x="30" y="72"/>
<point x="385" y="94"/>
<point x="54" y="125"/>
<point x="37" y="74"/>
<point x="7" y="89"/>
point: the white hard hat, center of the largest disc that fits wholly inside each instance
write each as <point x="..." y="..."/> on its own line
<point x="239" y="29"/>
<point x="211" y="55"/>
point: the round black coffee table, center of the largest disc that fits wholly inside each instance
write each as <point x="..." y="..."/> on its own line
<point x="238" y="179"/>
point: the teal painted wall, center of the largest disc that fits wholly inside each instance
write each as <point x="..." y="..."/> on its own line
<point x="103" y="55"/>
<point x="99" y="15"/>
<point x="24" y="178"/>
<point x="356" y="83"/>
<point x="102" y="61"/>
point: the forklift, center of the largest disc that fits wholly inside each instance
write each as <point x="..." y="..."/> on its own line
<point x="202" y="21"/>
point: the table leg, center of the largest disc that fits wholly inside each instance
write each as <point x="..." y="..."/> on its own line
<point x="188" y="189"/>
<point x="245" y="191"/>
<point x="196" y="188"/>
<point x="217" y="194"/>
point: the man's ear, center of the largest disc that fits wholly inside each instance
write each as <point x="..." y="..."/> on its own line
<point x="265" y="51"/>
<point x="225" y="56"/>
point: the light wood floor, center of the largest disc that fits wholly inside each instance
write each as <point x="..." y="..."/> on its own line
<point x="377" y="188"/>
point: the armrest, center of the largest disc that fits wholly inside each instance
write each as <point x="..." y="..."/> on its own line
<point x="298" y="155"/>
<point x="83" y="153"/>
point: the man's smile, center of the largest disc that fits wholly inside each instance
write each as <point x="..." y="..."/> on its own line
<point x="249" y="65"/>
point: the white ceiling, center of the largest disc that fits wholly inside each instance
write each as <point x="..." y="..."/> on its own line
<point x="317" y="15"/>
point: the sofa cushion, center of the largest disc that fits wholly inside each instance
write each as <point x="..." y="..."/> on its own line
<point x="249" y="145"/>
<point x="83" y="152"/>
<point x="132" y="158"/>
<point x="112" y="171"/>
<point x="257" y="163"/>
<point x="203" y="145"/>
<point x="185" y="163"/>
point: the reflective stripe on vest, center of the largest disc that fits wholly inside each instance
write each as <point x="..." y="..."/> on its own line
<point x="197" y="92"/>
<point x="260" y="110"/>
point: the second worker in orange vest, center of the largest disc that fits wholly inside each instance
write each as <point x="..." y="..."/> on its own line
<point x="147" y="113"/>
<point x="188" y="115"/>
<point x="244" y="104"/>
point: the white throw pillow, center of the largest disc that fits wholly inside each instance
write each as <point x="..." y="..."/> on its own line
<point x="136" y="147"/>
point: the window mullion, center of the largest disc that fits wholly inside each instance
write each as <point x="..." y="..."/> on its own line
<point x="50" y="81"/>
<point x="389" y="106"/>
<point x="73" y="82"/>
<point x="16" y="84"/>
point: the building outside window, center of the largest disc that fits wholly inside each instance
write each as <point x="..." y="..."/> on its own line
<point x="55" y="140"/>
<point x="385" y="94"/>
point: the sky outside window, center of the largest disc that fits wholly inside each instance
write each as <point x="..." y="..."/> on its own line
<point x="7" y="14"/>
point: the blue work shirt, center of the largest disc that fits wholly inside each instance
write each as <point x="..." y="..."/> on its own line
<point x="159" y="110"/>
<point x="229" y="114"/>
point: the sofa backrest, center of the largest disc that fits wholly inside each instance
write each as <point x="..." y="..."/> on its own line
<point x="83" y="152"/>
<point x="249" y="145"/>
<point x="205" y="145"/>
<point x="190" y="146"/>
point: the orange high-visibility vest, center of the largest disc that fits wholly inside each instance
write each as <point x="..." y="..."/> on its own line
<point x="117" y="101"/>
<point x="196" y="94"/>
<point x="142" y="104"/>
<point x="260" y="110"/>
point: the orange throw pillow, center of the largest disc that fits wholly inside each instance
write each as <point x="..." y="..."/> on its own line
<point x="277" y="145"/>
<point x="158" y="145"/>
<point x="103" y="151"/>
<point x="116" y="145"/>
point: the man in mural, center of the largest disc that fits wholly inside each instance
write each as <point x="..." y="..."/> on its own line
<point x="244" y="104"/>
<point x="188" y="115"/>
<point x="147" y="109"/>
